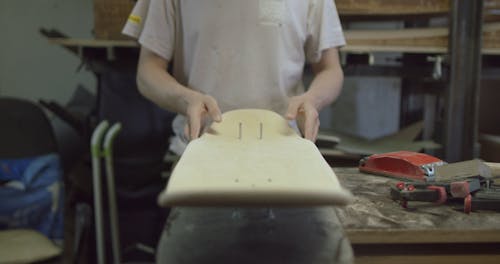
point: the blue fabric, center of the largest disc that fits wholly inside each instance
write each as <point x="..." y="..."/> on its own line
<point x="32" y="195"/>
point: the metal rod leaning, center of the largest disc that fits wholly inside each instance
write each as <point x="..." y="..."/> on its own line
<point x="113" y="212"/>
<point x="95" y="150"/>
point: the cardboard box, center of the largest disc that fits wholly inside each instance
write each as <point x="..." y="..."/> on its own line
<point x="110" y="17"/>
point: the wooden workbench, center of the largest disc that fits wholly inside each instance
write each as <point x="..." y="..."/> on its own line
<point x="381" y="231"/>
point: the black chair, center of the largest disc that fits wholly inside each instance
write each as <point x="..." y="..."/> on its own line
<point x="138" y="154"/>
<point x="25" y="132"/>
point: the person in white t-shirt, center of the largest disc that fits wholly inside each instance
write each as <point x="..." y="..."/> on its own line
<point x="230" y="54"/>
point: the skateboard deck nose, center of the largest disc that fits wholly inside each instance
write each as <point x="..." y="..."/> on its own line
<point x="252" y="158"/>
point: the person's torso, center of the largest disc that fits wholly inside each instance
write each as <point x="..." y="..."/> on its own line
<point x="246" y="54"/>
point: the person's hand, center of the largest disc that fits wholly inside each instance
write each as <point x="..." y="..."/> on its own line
<point x="302" y="109"/>
<point x="200" y="107"/>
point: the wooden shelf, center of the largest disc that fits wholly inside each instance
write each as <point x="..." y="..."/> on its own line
<point x="356" y="48"/>
<point x="94" y="43"/>
<point x="392" y="7"/>
<point x="412" y="40"/>
<point x="401" y="8"/>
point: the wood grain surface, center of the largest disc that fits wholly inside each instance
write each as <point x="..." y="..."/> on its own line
<point x="252" y="158"/>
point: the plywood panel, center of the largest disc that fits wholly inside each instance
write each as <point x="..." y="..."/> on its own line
<point x="252" y="158"/>
<point x="392" y="7"/>
<point x="420" y="37"/>
<point x="403" y="7"/>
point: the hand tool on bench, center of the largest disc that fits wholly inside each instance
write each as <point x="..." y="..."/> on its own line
<point x="438" y="193"/>
<point x="433" y="180"/>
<point x="488" y="198"/>
<point x="460" y="175"/>
<point x="402" y="164"/>
<point x="462" y="170"/>
<point x="404" y="192"/>
<point x="423" y="167"/>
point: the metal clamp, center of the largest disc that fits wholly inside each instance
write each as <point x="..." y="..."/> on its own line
<point x="437" y="72"/>
<point x="430" y="170"/>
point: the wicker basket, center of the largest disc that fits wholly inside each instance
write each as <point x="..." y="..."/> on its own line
<point x="110" y="17"/>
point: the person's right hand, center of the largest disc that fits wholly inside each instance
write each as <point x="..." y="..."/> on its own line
<point x="199" y="108"/>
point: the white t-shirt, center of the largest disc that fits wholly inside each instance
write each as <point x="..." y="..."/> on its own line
<point x="244" y="53"/>
<point x="135" y="22"/>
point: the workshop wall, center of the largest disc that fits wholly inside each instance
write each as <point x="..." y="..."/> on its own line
<point x="32" y="68"/>
<point x="368" y="106"/>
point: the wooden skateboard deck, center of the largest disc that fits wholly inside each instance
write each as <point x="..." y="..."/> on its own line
<point x="252" y="158"/>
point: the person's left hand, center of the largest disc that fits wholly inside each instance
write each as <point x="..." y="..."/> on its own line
<point x="302" y="109"/>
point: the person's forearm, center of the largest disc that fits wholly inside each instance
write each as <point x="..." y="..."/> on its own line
<point x="327" y="83"/>
<point x="156" y="84"/>
<point x="326" y="87"/>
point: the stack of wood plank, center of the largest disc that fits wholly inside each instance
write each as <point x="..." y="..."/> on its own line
<point x="491" y="36"/>
<point x="429" y="39"/>
<point x="416" y="39"/>
<point x="392" y="7"/>
<point x="403" y="7"/>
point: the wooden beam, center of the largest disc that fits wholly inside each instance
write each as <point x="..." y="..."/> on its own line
<point x="405" y="236"/>
<point x="402" y="7"/>
<point x="93" y="43"/>
<point x="391" y="7"/>
<point x="418" y="259"/>
<point x="421" y="40"/>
